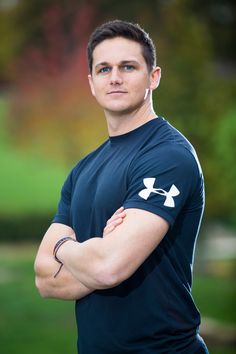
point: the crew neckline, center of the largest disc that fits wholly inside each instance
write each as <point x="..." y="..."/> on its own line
<point x="119" y="138"/>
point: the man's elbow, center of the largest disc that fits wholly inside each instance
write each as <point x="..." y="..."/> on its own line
<point x="106" y="280"/>
<point x="41" y="287"/>
<point x="109" y="277"/>
<point x="40" y="280"/>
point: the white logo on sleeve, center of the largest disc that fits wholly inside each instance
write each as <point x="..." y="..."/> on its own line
<point x="149" y="184"/>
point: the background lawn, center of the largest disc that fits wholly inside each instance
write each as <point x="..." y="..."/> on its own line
<point x="30" y="324"/>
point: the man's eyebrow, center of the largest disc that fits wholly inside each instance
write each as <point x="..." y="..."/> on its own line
<point x="103" y="63"/>
<point x="123" y="62"/>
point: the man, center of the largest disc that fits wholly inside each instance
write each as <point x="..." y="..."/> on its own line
<point x="132" y="280"/>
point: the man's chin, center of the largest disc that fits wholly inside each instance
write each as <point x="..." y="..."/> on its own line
<point x="121" y="111"/>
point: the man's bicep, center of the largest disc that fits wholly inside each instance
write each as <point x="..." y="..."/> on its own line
<point x="134" y="240"/>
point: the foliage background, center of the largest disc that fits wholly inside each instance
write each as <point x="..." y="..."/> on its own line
<point x="48" y="119"/>
<point x="51" y="114"/>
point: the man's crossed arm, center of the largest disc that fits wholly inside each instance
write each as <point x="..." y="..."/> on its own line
<point x="65" y="286"/>
<point x="98" y="263"/>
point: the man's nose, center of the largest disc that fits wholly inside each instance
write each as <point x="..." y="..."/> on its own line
<point x="116" y="77"/>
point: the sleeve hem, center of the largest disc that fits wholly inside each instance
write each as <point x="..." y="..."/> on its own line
<point x="155" y="210"/>
<point x="61" y="220"/>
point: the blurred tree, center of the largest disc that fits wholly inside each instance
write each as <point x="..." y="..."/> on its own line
<point x="196" y="96"/>
<point x="220" y="17"/>
<point x="51" y="107"/>
<point x="223" y="189"/>
<point x="53" y="110"/>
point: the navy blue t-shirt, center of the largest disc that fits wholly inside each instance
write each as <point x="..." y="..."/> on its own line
<point x="153" y="168"/>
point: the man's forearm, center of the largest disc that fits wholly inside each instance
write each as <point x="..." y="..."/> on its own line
<point x="65" y="286"/>
<point x="87" y="262"/>
<point x="103" y="263"/>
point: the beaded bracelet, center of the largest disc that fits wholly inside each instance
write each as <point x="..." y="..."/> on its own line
<point x="56" y="248"/>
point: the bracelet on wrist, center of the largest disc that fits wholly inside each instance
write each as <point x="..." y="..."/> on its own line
<point x="56" y="248"/>
<point x="59" y="244"/>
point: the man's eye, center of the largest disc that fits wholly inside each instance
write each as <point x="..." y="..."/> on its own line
<point x="104" y="70"/>
<point x="128" y="67"/>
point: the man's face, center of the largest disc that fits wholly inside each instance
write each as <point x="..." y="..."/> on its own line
<point x="120" y="79"/>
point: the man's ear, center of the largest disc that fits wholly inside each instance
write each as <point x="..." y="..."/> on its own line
<point x="155" y="78"/>
<point x="90" y="79"/>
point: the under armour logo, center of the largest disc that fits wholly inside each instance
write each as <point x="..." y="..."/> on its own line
<point x="149" y="184"/>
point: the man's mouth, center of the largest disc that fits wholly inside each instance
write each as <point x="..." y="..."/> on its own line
<point x="116" y="92"/>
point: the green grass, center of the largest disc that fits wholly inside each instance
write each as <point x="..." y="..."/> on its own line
<point x="222" y="350"/>
<point x="215" y="297"/>
<point x="30" y="324"/>
<point x="31" y="182"/>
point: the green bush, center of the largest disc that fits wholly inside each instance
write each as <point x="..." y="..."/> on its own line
<point x="23" y="228"/>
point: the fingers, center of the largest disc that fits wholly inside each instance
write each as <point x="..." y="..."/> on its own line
<point x="120" y="213"/>
<point x="114" y="221"/>
<point x="112" y="225"/>
<point x="119" y="210"/>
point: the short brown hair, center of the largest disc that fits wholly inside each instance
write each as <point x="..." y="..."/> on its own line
<point x="128" y="30"/>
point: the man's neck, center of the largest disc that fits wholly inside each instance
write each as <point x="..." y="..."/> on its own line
<point x="119" y="124"/>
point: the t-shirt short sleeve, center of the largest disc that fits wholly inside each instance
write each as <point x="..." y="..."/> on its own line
<point x="163" y="180"/>
<point x="63" y="215"/>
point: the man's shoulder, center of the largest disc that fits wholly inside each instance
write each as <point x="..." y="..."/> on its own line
<point x="162" y="133"/>
<point x="166" y="155"/>
<point x="167" y="150"/>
